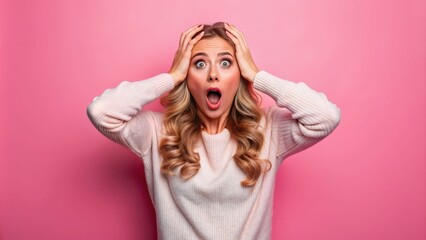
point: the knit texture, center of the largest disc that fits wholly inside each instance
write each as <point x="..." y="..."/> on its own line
<point x="213" y="204"/>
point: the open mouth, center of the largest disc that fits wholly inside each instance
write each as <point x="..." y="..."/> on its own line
<point x="214" y="95"/>
<point x="213" y="98"/>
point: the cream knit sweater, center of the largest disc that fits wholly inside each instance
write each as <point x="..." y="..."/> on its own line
<point x="213" y="204"/>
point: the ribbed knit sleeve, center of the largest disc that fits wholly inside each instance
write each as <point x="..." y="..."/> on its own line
<point x="117" y="112"/>
<point x="311" y="118"/>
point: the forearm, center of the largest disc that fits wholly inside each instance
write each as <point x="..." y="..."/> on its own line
<point x="317" y="117"/>
<point x="112" y="111"/>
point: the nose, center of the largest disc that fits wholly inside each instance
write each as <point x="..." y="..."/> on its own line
<point x="213" y="75"/>
<point x="213" y="78"/>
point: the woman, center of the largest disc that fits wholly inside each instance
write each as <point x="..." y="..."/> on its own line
<point x="211" y="158"/>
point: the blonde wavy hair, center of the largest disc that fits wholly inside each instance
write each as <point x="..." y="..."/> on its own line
<point x="182" y="127"/>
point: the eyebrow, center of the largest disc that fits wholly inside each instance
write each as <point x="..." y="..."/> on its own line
<point x="205" y="54"/>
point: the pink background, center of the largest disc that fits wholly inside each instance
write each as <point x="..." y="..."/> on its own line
<point x="61" y="179"/>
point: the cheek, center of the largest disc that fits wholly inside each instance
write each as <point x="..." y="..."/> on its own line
<point x="194" y="83"/>
<point x="233" y="80"/>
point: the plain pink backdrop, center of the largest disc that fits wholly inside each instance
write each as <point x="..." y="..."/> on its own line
<point x="61" y="179"/>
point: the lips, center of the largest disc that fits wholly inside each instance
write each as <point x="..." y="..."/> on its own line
<point x="213" y="98"/>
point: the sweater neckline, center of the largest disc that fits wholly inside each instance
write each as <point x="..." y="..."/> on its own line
<point x="223" y="135"/>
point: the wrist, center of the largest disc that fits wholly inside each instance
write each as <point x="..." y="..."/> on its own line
<point x="176" y="78"/>
<point x="252" y="75"/>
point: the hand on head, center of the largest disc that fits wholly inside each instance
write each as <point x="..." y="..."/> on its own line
<point x="245" y="60"/>
<point x="182" y="58"/>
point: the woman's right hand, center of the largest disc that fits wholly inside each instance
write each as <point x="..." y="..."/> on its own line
<point x="181" y="61"/>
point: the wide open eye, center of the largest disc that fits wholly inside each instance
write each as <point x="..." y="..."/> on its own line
<point x="200" y="64"/>
<point x="225" y="63"/>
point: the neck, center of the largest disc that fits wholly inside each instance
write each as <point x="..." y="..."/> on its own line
<point x="213" y="125"/>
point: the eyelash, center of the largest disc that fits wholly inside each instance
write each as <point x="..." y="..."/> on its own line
<point x="228" y="60"/>
<point x="197" y="62"/>
<point x="202" y="61"/>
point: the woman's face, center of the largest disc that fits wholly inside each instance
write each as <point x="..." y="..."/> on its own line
<point x="213" y="77"/>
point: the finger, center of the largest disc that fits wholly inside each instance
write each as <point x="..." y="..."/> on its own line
<point x="236" y="30"/>
<point x="238" y="46"/>
<point x="232" y="37"/>
<point x="183" y="35"/>
<point x="189" y="35"/>
<point x="237" y="34"/>
<point x="191" y="43"/>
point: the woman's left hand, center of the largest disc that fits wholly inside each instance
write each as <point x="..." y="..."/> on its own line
<point x="245" y="60"/>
